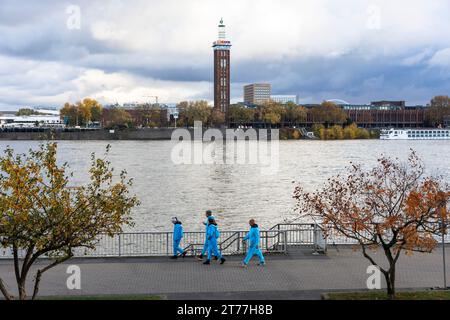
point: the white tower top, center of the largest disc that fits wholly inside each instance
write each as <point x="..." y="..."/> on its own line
<point x="222" y="43"/>
<point x="222" y="33"/>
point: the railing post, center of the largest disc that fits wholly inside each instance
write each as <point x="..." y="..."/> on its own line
<point x="278" y="235"/>
<point x="285" y="242"/>
<point x="167" y="244"/>
<point x="238" y="242"/>
<point x="120" y="244"/>
<point x="315" y="237"/>
<point x="267" y="240"/>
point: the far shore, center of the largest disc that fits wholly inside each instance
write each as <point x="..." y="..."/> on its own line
<point x="138" y="134"/>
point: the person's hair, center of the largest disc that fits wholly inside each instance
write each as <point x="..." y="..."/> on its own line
<point x="209" y="213"/>
<point x="252" y="221"/>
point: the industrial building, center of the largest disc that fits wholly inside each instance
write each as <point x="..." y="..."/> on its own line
<point x="257" y="93"/>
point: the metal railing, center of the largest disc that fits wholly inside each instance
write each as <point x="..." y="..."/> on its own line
<point x="147" y="244"/>
<point x="278" y="239"/>
<point x="336" y="238"/>
<point x="303" y="234"/>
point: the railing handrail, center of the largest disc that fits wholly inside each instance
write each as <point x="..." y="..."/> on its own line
<point x="312" y="224"/>
<point x="159" y="243"/>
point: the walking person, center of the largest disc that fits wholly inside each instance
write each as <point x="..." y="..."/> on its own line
<point x="177" y="236"/>
<point x="208" y="214"/>
<point x="212" y="234"/>
<point x="253" y="237"/>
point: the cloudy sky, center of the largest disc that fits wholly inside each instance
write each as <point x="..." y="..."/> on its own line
<point x="125" y="51"/>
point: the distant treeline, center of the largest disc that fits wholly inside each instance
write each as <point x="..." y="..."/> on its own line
<point x="349" y="132"/>
<point x="335" y="132"/>
<point x="330" y="121"/>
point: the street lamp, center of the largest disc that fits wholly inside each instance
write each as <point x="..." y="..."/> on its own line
<point x="443" y="232"/>
<point x="175" y="116"/>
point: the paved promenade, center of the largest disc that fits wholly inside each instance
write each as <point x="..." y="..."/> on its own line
<point x="300" y="275"/>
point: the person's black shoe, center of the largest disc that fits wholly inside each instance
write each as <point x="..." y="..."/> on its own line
<point x="183" y="255"/>
<point x="207" y="262"/>
<point x="200" y="257"/>
<point x="222" y="261"/>
<point x="173" y="257"/>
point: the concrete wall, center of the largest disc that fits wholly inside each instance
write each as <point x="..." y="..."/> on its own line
<point x="135" y="134"/>
<point x="140" y="134"/>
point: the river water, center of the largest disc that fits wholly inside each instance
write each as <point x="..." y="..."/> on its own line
<point x="234" y="192"/>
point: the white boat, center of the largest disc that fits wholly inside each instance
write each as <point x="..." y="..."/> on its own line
<point x="415" y="134"/>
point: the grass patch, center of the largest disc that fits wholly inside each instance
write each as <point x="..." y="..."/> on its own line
<point x="381" y="295"/>
<point x="105" y="298"/>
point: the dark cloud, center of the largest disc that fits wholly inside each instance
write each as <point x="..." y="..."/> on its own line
<point x="160" y="49"/>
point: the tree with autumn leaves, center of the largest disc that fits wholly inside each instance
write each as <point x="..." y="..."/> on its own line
<point x="82" y="113"/>
<point x="437" y="110"/>
<point x="43" y="215"/>
<point x="392" y="207"/>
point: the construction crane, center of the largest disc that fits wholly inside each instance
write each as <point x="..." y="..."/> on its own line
<point x="156" y="97"/>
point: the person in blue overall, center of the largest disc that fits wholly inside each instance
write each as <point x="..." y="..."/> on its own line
<point x="177" y="236"/>
<point x="253" y="237"/>
<point x="212" y="234"/>
<point x="205" y="245"/>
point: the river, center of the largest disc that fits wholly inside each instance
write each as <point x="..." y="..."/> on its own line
<point x="234" y="192"/>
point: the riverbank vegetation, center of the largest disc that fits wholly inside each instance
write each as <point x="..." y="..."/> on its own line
<point x="338" y="132"/>
<point x="437" y="111"/>
<point x="82" y="112"/>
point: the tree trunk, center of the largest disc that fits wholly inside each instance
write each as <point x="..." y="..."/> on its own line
<point x="390" y="282"/>
<point x="20" y="279"/>
<point x="36" y="284"/>
<point x="22" y="290"/>
<point x="4" y="291"/>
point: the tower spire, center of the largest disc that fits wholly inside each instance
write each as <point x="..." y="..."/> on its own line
<point x="222" y="32"/>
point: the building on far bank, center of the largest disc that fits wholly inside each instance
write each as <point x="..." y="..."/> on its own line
<point x="172" y="110"/>
<point x="381" y="105"/>
<point x="389" y="105"/>
<point x="447" y="121"/>
<point x="33" y="121"/>
<point x="284" y="99"/>
<point x="257" y="93"/>
<point x="391" y="118"/>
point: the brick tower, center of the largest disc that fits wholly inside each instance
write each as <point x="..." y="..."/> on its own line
<point x="222" y="49"/>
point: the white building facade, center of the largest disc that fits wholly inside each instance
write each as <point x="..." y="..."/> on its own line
<point x="284" y="99"/>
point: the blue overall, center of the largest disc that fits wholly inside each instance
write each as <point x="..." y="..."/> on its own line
<point x="205" y="246"/>
<point x="212" y="234"/>
<point x="177" y="236"/>
<point x="253" y="249"/>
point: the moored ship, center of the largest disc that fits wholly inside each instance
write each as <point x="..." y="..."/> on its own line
<point x="415" y="134"/>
